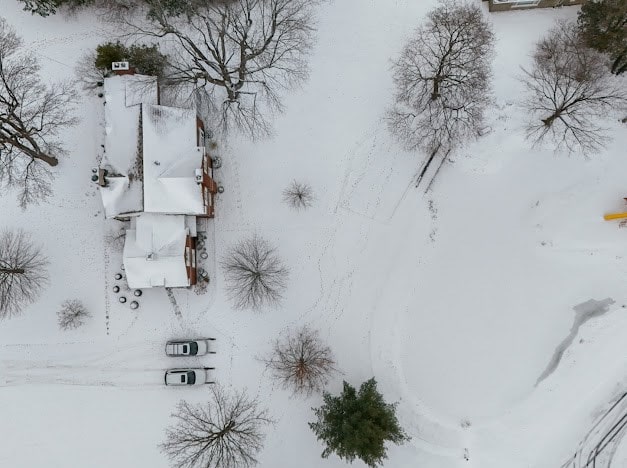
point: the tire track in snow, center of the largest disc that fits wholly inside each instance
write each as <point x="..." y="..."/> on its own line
<point x="83" y="363"/>
<point x="431" y="435"/>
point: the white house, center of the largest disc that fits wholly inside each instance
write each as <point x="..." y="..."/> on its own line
<point x="157" y="174"/>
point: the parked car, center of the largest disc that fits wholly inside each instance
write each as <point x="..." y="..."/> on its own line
<point x="190" y="347"/>
<point x="196" y="376"/>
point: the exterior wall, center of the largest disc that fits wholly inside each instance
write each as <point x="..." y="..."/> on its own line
<point x="208" y="185"/>
<point x="494" y="5"/>
<point x="191" y="265"/>
<point x="200" y="125"/>
<point x="130" y="71"/>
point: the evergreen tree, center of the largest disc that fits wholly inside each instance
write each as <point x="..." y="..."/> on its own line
<point x="169" y="7"/>
<point x="41" y="7"/>
<point x="603" y="26"/>
<point x="357" y="424"/>
<point x="147" y="59"/>
<point x="49" y="7"/>
<point x="110" y="52"/>
<point x="144" y="58"/>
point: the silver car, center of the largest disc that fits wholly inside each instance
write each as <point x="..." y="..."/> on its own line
<point x="191" y="376"/>
<point x="190" y="347"/>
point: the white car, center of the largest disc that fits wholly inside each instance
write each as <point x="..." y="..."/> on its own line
<point x="196" y="376"/>
<point x="191" y="347"/>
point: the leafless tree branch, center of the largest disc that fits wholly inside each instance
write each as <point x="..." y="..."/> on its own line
<point x="226" y="432"/>
<point x="22" y="272"/>
<point x="31" y="116"/>
<point x="442" y="79"/>
<point x="298" y="195"/>
<point x="255" y="274"/>
<point x="301" y="361"/>
<point x="72" y="314"/>
<point x="570" y="92"/>
<point x="235" y="58"/>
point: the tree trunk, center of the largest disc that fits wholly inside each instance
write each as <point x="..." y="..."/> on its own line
<point x="436" y="88"/>
<point x="13" y="271"/>
<point x="549" y="120"/>
<point x="50" y="160"/>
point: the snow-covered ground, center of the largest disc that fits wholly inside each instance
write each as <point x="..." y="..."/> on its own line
<point x="455" y="299"/>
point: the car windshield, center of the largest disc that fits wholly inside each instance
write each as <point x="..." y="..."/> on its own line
<point x="191" y="378"/>
<point x="193" y="346"/>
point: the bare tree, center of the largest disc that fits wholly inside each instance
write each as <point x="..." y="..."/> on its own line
<point x="90" y="76"/>
<point x="301" y="361"/>
<point x="236" y="58"/>
<point x="31" y="116"/>
<point x="442" y="79"/>
<point x="255" y="274"/>
<point x="570" y="91"/>
<point x="298" y="195"/>
<point x="72" y="314"/>
<point x="226" y="432"/>
<point x="22" y="272"/>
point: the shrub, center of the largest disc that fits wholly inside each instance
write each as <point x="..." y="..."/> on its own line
<point x="146" y="59"/>
<point x="72" y="314"/>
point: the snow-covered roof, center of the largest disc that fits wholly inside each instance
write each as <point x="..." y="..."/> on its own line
<point x="123" y="96"/>
<point x="171" y="157"/>
<point x="154" y="251"/>
<point x="121" y="196"/>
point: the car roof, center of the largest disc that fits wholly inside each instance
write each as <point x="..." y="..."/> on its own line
<point x="173" y="376"/>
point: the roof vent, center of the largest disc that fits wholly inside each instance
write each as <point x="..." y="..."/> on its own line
<point x="151" y="256"/>
<point x="119" y="66"/>
<point x="198" y="175"/>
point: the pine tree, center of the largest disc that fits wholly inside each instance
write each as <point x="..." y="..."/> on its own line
<point x="603" y="26"/>
<point x="41" y="7"/>
<point x="110" y="52"/>
<point x="49" y="7"/>
<point x="357" y="424"/>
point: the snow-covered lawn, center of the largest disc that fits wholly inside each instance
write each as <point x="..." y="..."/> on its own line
<point x="454" y="299"/>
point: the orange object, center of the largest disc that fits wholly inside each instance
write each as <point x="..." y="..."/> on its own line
<point x="611" y="216"/>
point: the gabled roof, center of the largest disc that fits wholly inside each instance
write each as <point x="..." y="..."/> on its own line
<point x="170" y="159"/>
<point x="154" y="251"/>
<point x="123" y="96"/>
<point x="121" y="196"/>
